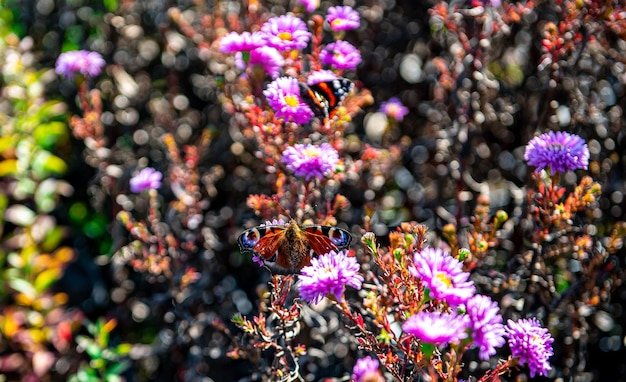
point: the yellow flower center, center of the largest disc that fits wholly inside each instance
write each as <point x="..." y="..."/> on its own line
<point x="285" y="36"/>
<point x="337" y="22"/>
<point x="442" y="277"/>
<point x="312" y="152"/>
<point x="291" y="100"/>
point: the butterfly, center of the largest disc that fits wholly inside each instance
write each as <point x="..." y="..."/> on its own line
<point x="324" y="97"/>
<point x="290" y="247"/>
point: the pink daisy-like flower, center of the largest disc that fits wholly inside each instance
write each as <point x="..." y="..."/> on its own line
<point x="437" y="328"/>
<point x="340" y="55"/>
<point x="531" y="343"/>
<point x="558" y="152"/>
<point x="310" y="5"/>
<point x="486" y="323"/>
<point x="342" y="18"/>
<point x="320" y="76"/>
<point x="366" y="370"/>
<point x="443" y="275"/>
<point x="393" y="108"/>
<point x="286" y="32"/>
<point x="311" y="161"/>
<point x="84" y="62"/>
<point x="329" y="274"/>
<point x="267" y="58"/>
<point x="283" y="95"/>
<point x="235" y="42"/>
<point x="146" y="179"/>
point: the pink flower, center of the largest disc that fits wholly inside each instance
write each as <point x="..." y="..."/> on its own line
<point x="267" y="58"/>
<point x="531" y="343"/>
<point x="310" y="5"/>
<point x="286" y="33"/>
<point x="443" y="275"/>
<point x="320" y="76"/>
<point x="89" y="64"/>
<point x="486" y="323"/>
<point x="329" y="274"/>
<point x="437" y="328"/>
<point x="394" y="109"/>
<point x="283" y="95"/>
<point x="146" y="179"/>
<point x="235" y="42"/>
<point x="342" y="18"/>
<point x="366" y="370"/>
<point x="311" y="161"/>
<point x="340" y="55"/>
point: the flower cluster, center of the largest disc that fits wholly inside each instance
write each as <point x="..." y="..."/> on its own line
<point x="89" y="64"/>
<point x="531" y="343"/>
<point x="557" y="152"/>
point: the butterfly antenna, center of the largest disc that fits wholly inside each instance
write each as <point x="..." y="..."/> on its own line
<point x="282" y="210"/>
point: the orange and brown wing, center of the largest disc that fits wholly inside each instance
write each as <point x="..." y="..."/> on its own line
<point x="263" y="241"/>
<point x="323" y="239"/>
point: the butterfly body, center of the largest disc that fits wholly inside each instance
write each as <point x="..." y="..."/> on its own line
<point x="289" y="246"/>
<point x="324" y="97"/>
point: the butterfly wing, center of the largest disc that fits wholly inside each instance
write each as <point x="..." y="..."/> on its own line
<point x="263" y="241"/>
<point x="323" y="239"/>
<point x="324" y="97"/>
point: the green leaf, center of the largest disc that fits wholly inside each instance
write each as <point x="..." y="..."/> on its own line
<point x="47" y="278"/>
<point x="123" y="349"/>
<point x="117" y="368"/>
<point x="23" y="286"/>
<point x="48" y="134"/>
<point x="110" y="5"/>
<point x="8" y="167"/>
<point x="45" y="164"/>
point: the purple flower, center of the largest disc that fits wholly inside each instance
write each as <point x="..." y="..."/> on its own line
<point x="437" y="328"/>
<point x="235" y="42"/>
<point x="366" y="370"/>
<point x="329" y="274"/>
<point x="394" y="109"/>
<point x="531" y="343"/>
<point x="146" y="179"/>
<point x="341" y="55"/>
<point x="342" y="18"/>
<point x="320" y="76"/>
<point x="558" y="151"/>
<point x="486" y="324"/>
<point x="267" y="58"/>
<point x="310" y="5"/>
<point x="311" y="161"/>
<point x="87" y="63"/>
<point x="286" y="32"/>
<point x="283" y="95"/>
<point x="443" y="275"/>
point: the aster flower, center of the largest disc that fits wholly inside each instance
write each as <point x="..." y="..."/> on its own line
<point x="329" y="274"/>
<point x="531" y="343"/>
<point x="320" y="76"/>
<point x="486" y="324"/>
<point x="235" y="42"/>
<point x="393" y="108"/>
<point x="146" y="179"/>
<point x="443" y="275"/>
<point x="267" y="58"/>
<point x="366" y="370"/>
<point x="283" y="95"/>
<point x="286" y="32"/>
<point x="559" y="152"/>
<point x="341" y="55"/>
<point x="437" y="328"/>
<point x="87" y="63"/>
<point x="342" y="18"/>
<point x="311" y="161"/>
<point x="310" y="5"/>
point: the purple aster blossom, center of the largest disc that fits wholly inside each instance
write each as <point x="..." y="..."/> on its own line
<point x="329" y="274"/>
<point x="311" y="161"/>
<point x="341" y="55"/>
<point x="267" y="58"/>
<point x="486" y="324"/>
<point x="286" y="32"/>
<point x="559" y="152"/>
<point x="87" y="63"/>
<point x="235" y="42"/>
<point x="437" y="328"/>
<point x="393" y="108"/>
<point x="531" y="343"/>
<point x="366" y="370"/>
<point x="342" y="18"/>
<point x="283" y="95"/>
<point x="146" y="179"/>
<point x="443" y="275"/>
<point x="320" y="76"/>
<point x="310" y="5"/>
